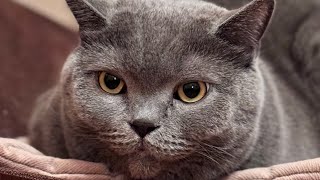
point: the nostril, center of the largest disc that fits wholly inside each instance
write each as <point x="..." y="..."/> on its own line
<point x="150" y="129"/>
<point x="142" y="127"/>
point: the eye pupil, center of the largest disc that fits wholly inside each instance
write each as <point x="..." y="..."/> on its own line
<point x="112" y="82"/>
<point x="192" y="90"/>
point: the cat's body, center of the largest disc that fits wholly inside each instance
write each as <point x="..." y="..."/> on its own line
<point x="251" y="116"/>
<point x="290" y="47"/>
<point x="288" y="129"/>
<point x="291" y="44"/>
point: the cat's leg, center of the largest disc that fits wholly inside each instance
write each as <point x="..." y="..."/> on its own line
<point x="45" y="130"/>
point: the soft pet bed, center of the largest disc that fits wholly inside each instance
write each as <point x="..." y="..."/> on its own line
<point x="29" y="61"/>
<point x="20" y="161"/>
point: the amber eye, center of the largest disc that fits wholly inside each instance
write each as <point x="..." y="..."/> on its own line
<point x="111" y="84"/>
<point x="192" y="92"/>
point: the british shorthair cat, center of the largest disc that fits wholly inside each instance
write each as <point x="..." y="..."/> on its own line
<point x="173" y="89"/>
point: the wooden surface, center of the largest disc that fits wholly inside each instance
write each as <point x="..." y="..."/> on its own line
<point x="32" y="51"/>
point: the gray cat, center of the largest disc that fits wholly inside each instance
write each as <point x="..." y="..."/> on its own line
<point x="173" y="89"/>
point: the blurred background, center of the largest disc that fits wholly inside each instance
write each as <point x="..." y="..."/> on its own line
<point x="56" y="10"/>
<point x="36" y="36"/>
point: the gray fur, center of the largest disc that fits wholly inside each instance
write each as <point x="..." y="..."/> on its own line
<point x="291" y="44"/>
<point x="250" y="117"/>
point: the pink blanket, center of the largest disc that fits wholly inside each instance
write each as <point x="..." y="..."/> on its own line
<point x="20" y="161"/>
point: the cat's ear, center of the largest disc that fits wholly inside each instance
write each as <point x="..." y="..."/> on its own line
<point x="247" y="25"/>
<point x="87" y="15"/>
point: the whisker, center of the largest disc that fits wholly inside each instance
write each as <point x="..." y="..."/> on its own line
<point x="212" y="160"/>
<point x="217" y="149"/>
<point x="217" y="154"/>
<point x="208" y="157"/>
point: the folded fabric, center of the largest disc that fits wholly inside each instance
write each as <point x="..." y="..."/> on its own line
<point x="302" y="170"/>
<point x="20" y="161"/>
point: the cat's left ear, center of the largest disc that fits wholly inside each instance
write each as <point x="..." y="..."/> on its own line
<point x="247" y="25"/>
<point x="87" y="14"/>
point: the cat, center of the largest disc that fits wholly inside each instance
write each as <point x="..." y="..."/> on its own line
<point x="173" y="89"/>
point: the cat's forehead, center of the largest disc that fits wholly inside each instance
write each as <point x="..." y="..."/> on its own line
<point x="160" y="17"/>
<point x="194" y="8"/>
<point x="155" y="38"/>
<point x="165" y="13"/>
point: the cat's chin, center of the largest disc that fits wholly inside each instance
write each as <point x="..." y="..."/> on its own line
<point x="143" y="166"/>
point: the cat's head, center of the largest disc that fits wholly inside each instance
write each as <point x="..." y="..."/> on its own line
<point x="166" y="88"/>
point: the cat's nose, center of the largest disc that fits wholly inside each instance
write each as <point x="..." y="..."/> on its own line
<point x="142" y="127"/>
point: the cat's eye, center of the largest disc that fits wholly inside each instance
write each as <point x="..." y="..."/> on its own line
<point x="111" y="84"/>
<point x="192" y="92"/>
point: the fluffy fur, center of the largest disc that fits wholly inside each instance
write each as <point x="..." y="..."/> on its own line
<point x="291" y="44"/>
<point x="250" y="117"/>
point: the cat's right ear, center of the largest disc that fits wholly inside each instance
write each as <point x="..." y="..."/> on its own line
<point x="88" y="16"/>
<point x="247" y="25"/>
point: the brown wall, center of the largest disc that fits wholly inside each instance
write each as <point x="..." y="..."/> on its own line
<point x="32" y="51"/>
<point x="57" y="10"/>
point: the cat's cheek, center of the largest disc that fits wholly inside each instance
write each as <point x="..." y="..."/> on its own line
<point x="123" y="144"/>
<point x="168" y="145"/>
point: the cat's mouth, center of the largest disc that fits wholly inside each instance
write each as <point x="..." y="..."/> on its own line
<point x="141" y="147"/>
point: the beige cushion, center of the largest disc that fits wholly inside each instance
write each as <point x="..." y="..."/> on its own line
<point x="19" y="159"/>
